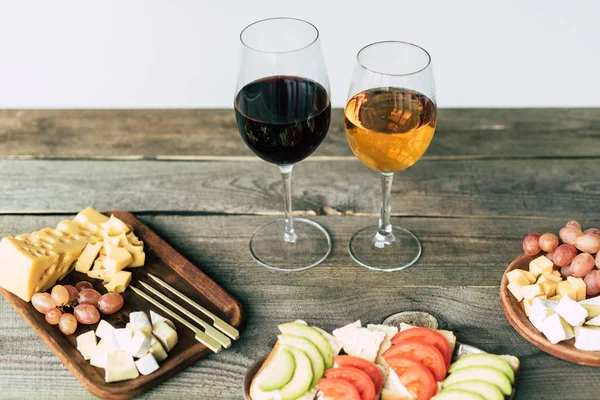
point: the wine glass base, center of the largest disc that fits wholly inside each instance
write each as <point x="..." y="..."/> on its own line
<point x="403" y="253"/>
<point x="312" y="246"/>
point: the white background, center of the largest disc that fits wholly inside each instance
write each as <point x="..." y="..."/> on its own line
<point x="183" y="53"/>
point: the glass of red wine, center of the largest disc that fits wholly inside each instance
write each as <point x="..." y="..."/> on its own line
<point x="282" y="108"/>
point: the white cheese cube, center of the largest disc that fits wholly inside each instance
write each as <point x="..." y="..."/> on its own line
<point x="571" y="311"/>
<point x="86" y="344"/>
<point x="122" y="337"/>
<point x="104" y="329"/>
<point x="592" y="306"/>
<point x="139" y="343"/>
<point x="390" y="332"/>
<point x="556" y="329"/>
<point x="146" y="365"/>
<point x="156" y="318"/>
<point x="594" y="321"/>
<point x="360" y="342"/>
<point x="139" y="321"/>
<point x="99" y="358"/>
<point x="166" y="335"/>
<point x="587" y="338"/>
<point x="157" y="351"/>
<point x="120" y="367"/>
<point x="540" y="310"/>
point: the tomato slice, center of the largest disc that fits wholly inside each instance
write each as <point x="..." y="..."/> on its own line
<point x="366" y="366"/>
<point x="428" y="354"/>
<point x="338" y="389"/>
<point x="428" y="336"/>
<point x="361" y="381"/>
<point x="414" y="375"/>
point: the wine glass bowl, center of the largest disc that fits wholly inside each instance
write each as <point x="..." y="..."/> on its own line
<point x="390" y="119"/>
<point x="283" y="111"/>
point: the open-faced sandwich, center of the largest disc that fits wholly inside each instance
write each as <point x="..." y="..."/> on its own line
<point x="378" y="362"/>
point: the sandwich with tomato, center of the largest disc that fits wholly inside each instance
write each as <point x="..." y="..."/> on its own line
<point x="377" y="362"/>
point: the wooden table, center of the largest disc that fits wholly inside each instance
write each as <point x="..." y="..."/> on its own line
<point x="489" y="178"/>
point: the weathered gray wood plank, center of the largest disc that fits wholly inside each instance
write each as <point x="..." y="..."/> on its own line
<point x="473" y="313"/>
<point x="210" y="133"/>
<point x="540" y="187"/>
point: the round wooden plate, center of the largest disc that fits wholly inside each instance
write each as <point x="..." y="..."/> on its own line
<point x="516" y="316"/>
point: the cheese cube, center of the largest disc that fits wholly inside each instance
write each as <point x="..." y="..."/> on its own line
<point x="119" y="282"/>
<point x="104" y="329"/>
<point x="389" y="331"/>
<point x="594" y="321"/>
<point x="579" y="286"/>
<point x="122" y="337"/>
<point x="139" y="321"/>
<point x="138" y="255"/>
<point x="86" y="344"/>
<point x="134" y="240"/>
<point x="157" y="351"/>
<point x="87" y="257"/>
<point x="565" y="289"/>
<point x="531" y="291"/>
<point x="516" y="290"/>
<point x="139" y="344"/>
<point x="527" y="303"/>
<point x="155" y="318"/>
<point x="99" y="358"/>
<point x="571" y="311"/>
<point x="557" y="273"/>
<point x="114" y="226"/>
<point x="32" y="263"/>
<point x="119" y="239"/>
<point x="166" y="335"/>
<point x="117" y="258"/>
<point x="540" y="265"/>
<point x="550" y="277"/>
<point x="556" y="329"/>
<point x="555" y="298"/>
<point x="91" y="219"/>
<point x="146" y="365"/>
<point x="587" y="338"/>
<point x="99" y="271"/>
<point x="549" y="288"/>
<point x="120" y="367"/>
<point x="520" y="277"/>
<point x="592" y="306"/>
<point x="540" y="310"/>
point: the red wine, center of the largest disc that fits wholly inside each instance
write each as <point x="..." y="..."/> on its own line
<point x="283" y="119"/>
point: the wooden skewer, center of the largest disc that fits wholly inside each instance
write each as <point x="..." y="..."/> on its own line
<point x="200" y="336"/>
<point x="218" y="322"/>
<point x="208" y="329"/>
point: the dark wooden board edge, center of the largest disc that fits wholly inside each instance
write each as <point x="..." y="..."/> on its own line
<point x="517" y="318"/>
<point x="128" y="389"/>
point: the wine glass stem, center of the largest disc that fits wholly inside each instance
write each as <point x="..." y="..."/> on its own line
<point x="286" y="175"/>
<point x="384" y="235"/>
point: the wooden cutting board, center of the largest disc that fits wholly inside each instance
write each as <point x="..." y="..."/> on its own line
<point x="166" y="263"/>
<point x="517" y="318"/>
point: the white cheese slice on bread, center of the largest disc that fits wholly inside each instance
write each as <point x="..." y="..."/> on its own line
<point x="389" y="331"/>
<point x="393" y="389"/>
<point x="360" y="342"/>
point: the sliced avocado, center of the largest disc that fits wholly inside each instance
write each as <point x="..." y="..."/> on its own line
<point x="278" y="372"/>
<point x="455" y="394"/>
<point x="484" y="360"/>
<point x="301" y="343"/>
<point x="485" y="389"/>
<point x="487" y="374"/>
<point x="302" y="378"/>
<point x="314" y="336"/>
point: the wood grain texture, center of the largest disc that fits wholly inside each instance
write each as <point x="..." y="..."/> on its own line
<point x="161" y="260"/>
<point x="540" y="187"/>
<point x="213" y="133"/>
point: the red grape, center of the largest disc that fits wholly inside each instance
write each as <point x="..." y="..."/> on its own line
<point x="67" y="324"/>
<point x="60" y="295"/>
<point x="531" y="244"/>
<point x="548" y="242"/>
<point x="86" y="314"/>
<point x="581" y="265"/>
<point x="565" y="271"/>
<point x="564" y="254"/>
<point x="588" y="243"/>
<point x="89" y="296"/>
<point x="73" y="292"/>
<point x="110" y="303"/>
<point x="42" y="302"/>
<point x="591" y="283"/>
<point x="598" y="260"/>
<point x="53" y="316"/>
<point x="570" y="235"/>
<point x="594" y="231"/>
<point x="550" y="256"/>
<point x="573" y="224"/>
<point x="83" y="285"/>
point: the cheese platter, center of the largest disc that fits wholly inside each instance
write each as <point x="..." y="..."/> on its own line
<point x="114" y="317"/>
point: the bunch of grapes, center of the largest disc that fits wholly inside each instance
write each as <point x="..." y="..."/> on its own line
<point x="567" y="255"/>
<point x="87" y="304"/>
